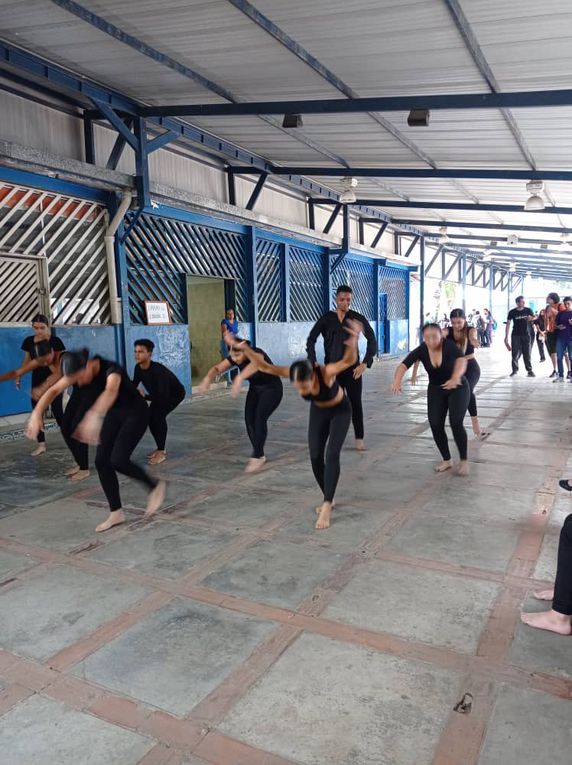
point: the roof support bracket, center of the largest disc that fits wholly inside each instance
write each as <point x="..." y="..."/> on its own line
<point x="257" y="191"/>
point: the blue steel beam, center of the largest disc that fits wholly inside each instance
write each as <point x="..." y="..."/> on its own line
<point x="256" y="191"/>
<point x="378" y="236"/>
<point x="116" y="122"/>
<point x="459" y="101"/>
<point x="88" y="139"/>
<point x="411" y="246"/>
<point x="118" y="147"/>
<point x="294" y="47"/>
<point x="160" y="141"/>
<point x="484" y="206"/>
<point x="407" y="172"/>
<point x="332" y="218"/>
<point x="466" y="224"/>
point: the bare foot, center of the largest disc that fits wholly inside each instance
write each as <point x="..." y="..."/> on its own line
<point x="544" y="595"/>
<point x="319" y="508"/>
<point x="156" y="499"/>
<point x="80" y="475"/>
<point x="254" y="464"/>
<point x="72" y="471"/>
<point x="549" y="620"/>
<point x="483" y="435"/>
<point x="114" y="519"/>
<point x="463" y="468"/>
<point x="323" y="521"/>
<point x="39" y="450"/>
<point x="442" y="466"/>
<point x="360" y="446"/>
<point x="476" y="426"/>
<point x="152" y="454"/>
<point x="157" y="457"/>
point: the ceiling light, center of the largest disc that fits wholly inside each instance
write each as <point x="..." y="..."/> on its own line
<point x="564" y="237"/>
<point x="512" y="240"/>
<point x="512" y="266"/>
<point x="418" y="118"/>
<point x="292" y="121"/>
<point x="529" y="274"/>
<point x="348" y="197"/>
<point x="444" y="238"/>
<point x="535" y="201"/>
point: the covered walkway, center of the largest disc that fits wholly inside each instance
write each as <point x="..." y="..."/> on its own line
<point x="228" y="631"/>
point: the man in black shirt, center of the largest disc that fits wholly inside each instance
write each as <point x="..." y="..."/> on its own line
<point x="520" y="318"/>
<point x="162" y="388"/>
<point x="331" y="327"/>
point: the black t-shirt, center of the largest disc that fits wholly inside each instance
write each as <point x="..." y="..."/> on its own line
<point x="437" y="375"/>
<point x="128" y="395"/>
<point x="162" y="386"/>
<point x="335" y="336"/>
<point x="520" y="321"/>
<point x="260" y="378"/>
<point x="40" y="374"/>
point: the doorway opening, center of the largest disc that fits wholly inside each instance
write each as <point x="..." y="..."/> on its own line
<point x="207" y="299"/>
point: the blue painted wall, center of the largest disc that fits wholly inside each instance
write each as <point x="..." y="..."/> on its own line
<point x="399" y="336"/>
<point x="171" y="348"/>
<point x="99" y="340"/>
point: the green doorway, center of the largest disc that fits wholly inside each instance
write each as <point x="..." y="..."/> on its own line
<point x="207" y="298"/>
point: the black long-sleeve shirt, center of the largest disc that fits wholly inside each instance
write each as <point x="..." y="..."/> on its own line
<point x="335" y="336"/>
<point x="162" y="386"/>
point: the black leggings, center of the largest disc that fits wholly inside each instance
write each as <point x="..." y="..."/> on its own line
<point x="455" y="401"/>
<point x="122" y="429"/>
<point x="353" y="389"/>
<point x="472" y="376"/>
<point x="261" y="401"/>
<point x="328" y="425"/>
<point x="563" y="585"/>
<point x="158" y="412"/>
<point x="57" y="407"/>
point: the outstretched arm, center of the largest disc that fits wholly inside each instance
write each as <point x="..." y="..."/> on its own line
<point x="474" y="338"/>
<point x="506" y="334"/>
<point x="90" y="427"/>
<point x="35" y="422"/>
<point x="246" y="373"/>
<point x="261" y="365"/>
<point x="458" y="371"/>
<point x="398" y="378"/>
<point x="218" y="369"/>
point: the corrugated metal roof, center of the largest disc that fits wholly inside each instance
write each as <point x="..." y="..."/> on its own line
<point x="374" y="48"/>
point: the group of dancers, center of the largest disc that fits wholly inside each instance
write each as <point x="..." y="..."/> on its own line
<point x="109" y="410"/>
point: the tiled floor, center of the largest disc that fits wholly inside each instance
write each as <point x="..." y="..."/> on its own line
<point x="228" y="631"/>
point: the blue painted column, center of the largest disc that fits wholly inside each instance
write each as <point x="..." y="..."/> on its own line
<point x="285" y="262"/>
<point x="252" y="279"/>
<point x="376" y="316"/>
<point x="421" y="284"/>
<point x="464" y="281"/>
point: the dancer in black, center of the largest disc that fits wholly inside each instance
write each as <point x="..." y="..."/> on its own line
<point x="162" y="388"/>
<point x="448" y="390"/>
<point x="263" y="397"/>
<point x="115" y="419"/>
<point x="332" y="327"/>
<point x="40" y="373"/>
<point x="330" y="412"/>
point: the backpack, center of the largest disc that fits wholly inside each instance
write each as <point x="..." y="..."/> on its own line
<point x="495" y="325"/>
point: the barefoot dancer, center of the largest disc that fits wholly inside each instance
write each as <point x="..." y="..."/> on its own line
<point x="330" y="412"/>
<point x="557" y="619"/>
<point x="40" y="373"/>
<point x="448" y="390"/>
<point x="263" y="397"/>
<point x="164" y="391"/>
<point x="114" y="416"/>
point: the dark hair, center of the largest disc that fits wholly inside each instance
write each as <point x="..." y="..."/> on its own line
<point x="554" y="296"/>
<point x="43" y="348"/>
<point x="40" y="318"/>
<point x="564" y="299"/>
<point x="431" y="325"/>
<point x="74" y="361"/>
<point x="520" y="297"/>
<point x="301" y="371"/>
<point x="457" y="313"/>
<point x="149" y="344"/>
<point x="344" y="288"/>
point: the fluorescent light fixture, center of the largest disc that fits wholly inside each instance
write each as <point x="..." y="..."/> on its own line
<point x="348" y="196"/>
<point x="444" y="236"/>
<point x="535" y="201"/>
<point x="292" y="121"/>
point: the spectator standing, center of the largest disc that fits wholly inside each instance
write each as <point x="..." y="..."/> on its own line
<point x="552" y="309"/>
<point x="228" y="324"/>
<point x="490" y="326"/>
<point x="563" y="326"/>
<point x="539" y="325"/>
<point x="519" y="318"/>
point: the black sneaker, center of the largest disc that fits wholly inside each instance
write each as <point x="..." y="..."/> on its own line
<point x="554" y="374"/>
<point x="565" y="485"/>
<point x="569" y="375"/>
<point x="531" y="374"/>
<point x="512" y="374"/>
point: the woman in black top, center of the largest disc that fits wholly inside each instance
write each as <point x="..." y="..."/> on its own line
<point x="263" y="397"/>
<point x="41" y="327"/>
<point x="330" y="411"/>
<point x="448" y="390"/>
<point x="115" y="420"/>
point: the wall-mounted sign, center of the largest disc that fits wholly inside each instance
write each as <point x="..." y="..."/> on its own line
<point x="157" y="312"/>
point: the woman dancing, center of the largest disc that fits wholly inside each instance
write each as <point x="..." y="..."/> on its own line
<point x="448" y="391"/>
<point x="330" y="412"/>
<point x="111" y="414"/>
<point x="263" y="397"/>
<point x="41" y="372"/>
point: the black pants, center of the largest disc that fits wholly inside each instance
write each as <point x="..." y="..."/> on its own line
<point x="456" y="401"/>
<point x="328" y="426"/>
<point x="261" y="402"/>
<point x="79" y="402"/>
<point x="57" y="407"/>
<point x="540" y="344"/>
<point x="563" y="585"/>
<point x="472" y="375"/>
<point x="521" y="347"/>
<point x="122" y="429"/>
<point x="353" y="389"/>
<point x="158" y="412"/>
